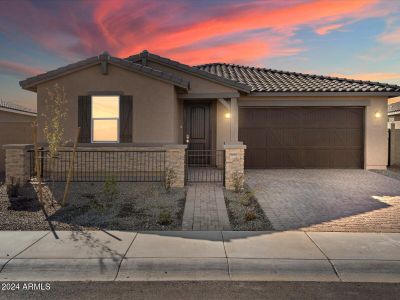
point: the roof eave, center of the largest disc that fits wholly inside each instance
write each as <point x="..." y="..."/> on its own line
<point x="327" y="94"/>
<point x="31" y="83"/>
<point x="193" y="70"/>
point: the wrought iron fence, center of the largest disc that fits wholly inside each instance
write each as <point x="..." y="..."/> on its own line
<point x="205" y="166"/>
<point x="98" y="165"/>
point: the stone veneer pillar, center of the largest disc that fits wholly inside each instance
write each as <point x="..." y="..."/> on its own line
<point x="17" y="162"/>
<point x="234" y="163"/>
<point x="175" y="160"/>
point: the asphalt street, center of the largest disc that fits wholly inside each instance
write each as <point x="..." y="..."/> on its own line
<point x="209" y="290"/>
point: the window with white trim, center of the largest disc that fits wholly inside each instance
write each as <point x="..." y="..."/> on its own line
<point x="105" y="119"/>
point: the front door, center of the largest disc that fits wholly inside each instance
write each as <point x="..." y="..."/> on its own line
<point x="197" y="126"/>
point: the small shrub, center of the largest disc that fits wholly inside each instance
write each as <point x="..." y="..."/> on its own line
<point x="110" y="189"/>
<point x="250" y="215"/>
<point x="13" y="188"/>
<point x="170" y="179"/>
<point x="165" y="218"/>
<point x="237" y="180"/>
<point x="244" y="198"/>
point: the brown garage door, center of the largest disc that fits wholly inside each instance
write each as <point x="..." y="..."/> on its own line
<point x="306" y="137"/>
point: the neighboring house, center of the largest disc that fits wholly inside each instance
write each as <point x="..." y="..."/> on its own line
<point x="394" y="138"/>
<point x="15" y="128"/>
<point x="394" y="112"/>
<point x="286" y="119"/>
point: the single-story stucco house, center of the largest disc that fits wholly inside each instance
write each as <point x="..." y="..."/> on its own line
<point x="285" y="119"/>
<point x="15" y="128"/>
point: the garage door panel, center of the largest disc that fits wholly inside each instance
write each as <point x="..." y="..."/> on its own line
<point x="280" y="118"/>
<point x="253" y="137"/>
<point x="347" y="158"/>
<point x="306" y="137"/>
<point x="249" y="118"/>
<point x="316" y="118"/>
<point x="255" y="159"/>
<point x="347" y="137"/>
<point x="283" y="137"/>
<point x="315" y="137"/>
<point x="317" y="158"/>
<point x="283" y="158"/>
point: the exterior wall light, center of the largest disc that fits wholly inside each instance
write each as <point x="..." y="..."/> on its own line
<point x="227" y="116"/>
<point x="378" y="114"/>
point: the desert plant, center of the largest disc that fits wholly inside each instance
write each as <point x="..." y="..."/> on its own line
<point x="237" y="180"/>
<point x="110" y="188"/>
<point x="13" y="188"/>
<point x="164" y="218"/>
<point x="54" y="115"/>
<point x="244" y="198"/>
<point x="250" y="215"/>
<point x="170" y="179"/>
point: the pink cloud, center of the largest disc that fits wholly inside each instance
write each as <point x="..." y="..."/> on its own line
<point x="13" y="68"/>
<point x="282" y="20"/>
<point x="390" y="37"/>
<point x="328" y="28"/>
<point x="124" y="27"/>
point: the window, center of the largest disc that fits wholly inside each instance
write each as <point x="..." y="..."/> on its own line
<point x="105" y="119"/>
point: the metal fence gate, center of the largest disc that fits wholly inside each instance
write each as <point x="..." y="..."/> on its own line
<point x="205" y="166"/>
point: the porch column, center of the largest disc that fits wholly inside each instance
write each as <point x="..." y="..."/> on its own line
<point x="17" y="163"/>
<point x="234" y="120"/>
<point x="175" y="161"/>
<point x="234" y="166"/>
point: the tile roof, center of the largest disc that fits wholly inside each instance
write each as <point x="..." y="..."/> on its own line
<point x="394" y="108"/>
<point x="270" y="80"/>
<point x="30" y="83"/>
<point x="140" y="58"/>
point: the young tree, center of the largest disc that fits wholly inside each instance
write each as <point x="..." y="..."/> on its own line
<point x="54" y="116"/>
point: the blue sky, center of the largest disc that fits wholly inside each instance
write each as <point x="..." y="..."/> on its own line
<point x="347" y="38"/>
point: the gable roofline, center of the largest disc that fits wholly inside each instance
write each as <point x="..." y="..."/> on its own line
<point x="32" y="82"/>
<point x="143" y="56"/>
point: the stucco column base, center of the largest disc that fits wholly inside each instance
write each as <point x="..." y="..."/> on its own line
<point x="17" y="163"/>
<point x="175" y="160"/>
<point x="234" y="165"/>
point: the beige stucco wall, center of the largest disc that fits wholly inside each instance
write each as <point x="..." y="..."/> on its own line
<point x="376" y="137"/>
<point x="155" y="107"/>
<point x="15" y="128"/>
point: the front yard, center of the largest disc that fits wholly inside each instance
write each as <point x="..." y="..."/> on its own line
<point x="244" y="212"/>
<point x="119" y="206"/>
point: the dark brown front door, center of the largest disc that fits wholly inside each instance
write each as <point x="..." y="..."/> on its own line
<point x="197" y="126"/>
<point x="302" y="137"/>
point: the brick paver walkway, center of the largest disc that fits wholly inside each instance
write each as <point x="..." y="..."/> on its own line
<point x="205" y="208"/>
<point x="328" y="200"/>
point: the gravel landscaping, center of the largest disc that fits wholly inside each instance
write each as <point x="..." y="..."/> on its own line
<point x="115" y="206"/>
<point x="245" y="214"/>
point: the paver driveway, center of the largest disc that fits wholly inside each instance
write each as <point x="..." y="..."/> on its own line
<point x="328" y="200"/>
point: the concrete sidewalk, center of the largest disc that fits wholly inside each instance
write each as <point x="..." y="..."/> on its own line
<point x="200" y="255"/>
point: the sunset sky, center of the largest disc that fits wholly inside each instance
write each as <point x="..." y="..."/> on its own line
<point x="348" y="38"/>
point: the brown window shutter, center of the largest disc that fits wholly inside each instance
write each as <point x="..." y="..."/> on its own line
<point x="125" y="111"/>
<point x="85" y="118"/>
